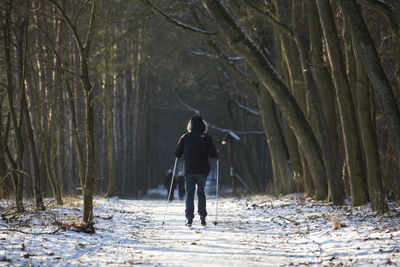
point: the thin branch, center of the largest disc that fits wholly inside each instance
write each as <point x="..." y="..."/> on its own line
<point x="243" y="183"/>
<point x="178" y="23"/>
<point x="200" y="53"/>
<point x="69" y="23"/>
<point x="92" y="24"/>
<point x="54" y="50"/>
<point x="248" y="109"/>
<point x="230" y="60"/>
<point x="234" y="131"/>
<point x="31" y="233"/>
<point x="79" y="12"/>
<point x="274" y="21"/>
<point x="290" y="220"/>
<point x="224" y="130"/>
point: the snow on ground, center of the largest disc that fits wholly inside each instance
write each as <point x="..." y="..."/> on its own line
<point x="253" y="231"/>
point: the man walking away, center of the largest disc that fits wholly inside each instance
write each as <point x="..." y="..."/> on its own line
<point x="196" y="146"/>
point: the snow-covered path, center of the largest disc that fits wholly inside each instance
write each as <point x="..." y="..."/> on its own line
<point x="257" y="231"/>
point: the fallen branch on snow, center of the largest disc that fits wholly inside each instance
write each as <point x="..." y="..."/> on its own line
<point x="290" y="220"/>
<point x="30" y="233"/>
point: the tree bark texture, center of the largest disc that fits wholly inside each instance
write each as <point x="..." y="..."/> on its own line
<point x="290" y="57"/>
<point x="325" y="90"/>
<point x="345" y="103"/>
<point x="275" y="140"/>
<point x="336" y="193"/>
<point x="108" y="114"/>
<point x="18" y="175"/>
<point x="369" y="139"/>
<point x="377" y="76"/>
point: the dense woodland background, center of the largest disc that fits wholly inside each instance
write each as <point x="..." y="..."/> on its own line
<point x="96" y="93"/>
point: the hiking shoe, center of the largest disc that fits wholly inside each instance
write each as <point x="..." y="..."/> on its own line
<point x="189" y="222"/>
<point x="203" y="221"/>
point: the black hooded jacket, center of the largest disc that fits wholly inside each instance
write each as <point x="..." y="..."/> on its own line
<point x="196" y="146"/>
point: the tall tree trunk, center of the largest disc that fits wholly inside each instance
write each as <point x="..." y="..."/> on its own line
<point x="34" y="157"/>
<point x="396" y="35"/>
<point x="4" y="181"/>
<point x="336" y="192"/>
<point x="108" y="114"/>
<point x="279" y="91"/>
<point x="345" y="103"/>
<point x="276" y="145"/>
<point x="372" y="64"/>
<point x="77" y="143"/>
<point x="326" y="91"/>
<point x="17" y="167"/>
<point x="31" y="140"/>
<point x="351" y="71"/>
<point x="50" y="171"/>
<point x="89" y="118"/>
<point x="369" y="139"/>
<point x="84" y="50"/>
<point x="290" y="57"/>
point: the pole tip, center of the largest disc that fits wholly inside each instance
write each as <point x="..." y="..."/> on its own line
<point x="163" y="223"/>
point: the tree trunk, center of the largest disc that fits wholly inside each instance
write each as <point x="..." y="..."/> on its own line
<point x="89" y="118"/>
<point x="17" y="167"/>
<point x="276" y="145"/>
<point x="325" y="92"/>
<point x="279" y="91"/>
<point x="4" y="181"/>
<point x="345" y="103"/>
<point x="84" y="49"/>
<point x="364" y="44"/>
<point x="336" y="193"/>
<point x="290" y="57"/>
<point x="50" y="171"/>
<point x="396" y="36"/>
<point x="90" y="152"/>
<point x="77" y="144"/>
<point x="108" y="114"/>
<point x="35" y="160"/>
<point x="369" y="140"/>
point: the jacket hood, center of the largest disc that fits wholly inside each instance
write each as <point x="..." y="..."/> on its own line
<point x="197" y="124"/>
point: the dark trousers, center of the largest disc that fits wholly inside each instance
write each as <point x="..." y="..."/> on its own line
<point x="191" y="181"/>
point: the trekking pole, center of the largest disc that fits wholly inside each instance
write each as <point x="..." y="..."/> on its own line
<point x="216" y="207"/>
<point x="170" y="190"/>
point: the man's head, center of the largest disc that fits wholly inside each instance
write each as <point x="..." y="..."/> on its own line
<point x="197" y="123"/>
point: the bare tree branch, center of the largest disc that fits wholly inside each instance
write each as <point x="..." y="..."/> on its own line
<point x="178" y="23"/>
<point x="224" y="130"/>
<point x="79" y="11"/>
<point x="200" y="53"/>
<point x="92" y="24"/>
<point x="69" y="23"/>
<point x="248" y="109"/>
<point x="274" y="21"/>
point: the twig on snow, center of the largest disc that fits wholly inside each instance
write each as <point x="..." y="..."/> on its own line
<point x="30" y="233"/>
<point x="290" y="220"/>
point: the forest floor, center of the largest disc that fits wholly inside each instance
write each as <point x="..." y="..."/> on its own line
<point x="252" y="231"/>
